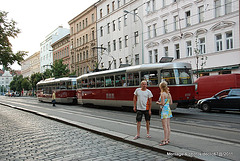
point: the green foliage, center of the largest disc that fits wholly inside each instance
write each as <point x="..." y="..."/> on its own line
<point x="59" y="69"/>
<point x="35" y="78"/>
<point x="48" y="74"/>
<point x="16" y="83"/>
<point x="25" y="84"/>
<point x="8" y="29"/>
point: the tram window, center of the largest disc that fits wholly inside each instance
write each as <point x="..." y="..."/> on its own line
<point x="74" y="84"/>
<point x="133" y="79"/>
<point x="168" y="76"/>
<point x="100" y="82"/>
<point x="109" y="81"/>
<point x="120" y="80"/>
<point x="184" y="76"/>
<point x="58" y="85"/>
<point x="62" y="85"/>
<point x="45" y="91"/>
<point x="54" y="85"/>
<point x="50" y="90"/>
<point x="79" y="84"/>
<point x="84" y="83"/>
<point x="39" y="87"/>
<point x="69" y="85"/>
<point x="91" y="83"/>
<point x="150" y="76"/>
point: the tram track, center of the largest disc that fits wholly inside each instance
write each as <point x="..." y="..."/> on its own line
<point x="181" y="117"/>
<point x="176" y="125"/>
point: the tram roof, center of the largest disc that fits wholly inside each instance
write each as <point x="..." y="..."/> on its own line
<point x="138" y="68"/>
<point x="57" y="80"/>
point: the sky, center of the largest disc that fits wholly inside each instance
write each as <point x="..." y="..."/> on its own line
<point x="38" y="18"/>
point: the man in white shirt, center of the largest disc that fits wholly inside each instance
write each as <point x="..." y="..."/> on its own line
<point x="142" y="105"/>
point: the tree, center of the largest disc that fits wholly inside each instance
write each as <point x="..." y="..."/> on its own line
<point x="59" y="69"/>
<point x="8" y="29"/>
<point x="48" y="74"/>
<point x="25" y="84"/>
<point x="16" y="83"/>
<point x="35" y="78"/>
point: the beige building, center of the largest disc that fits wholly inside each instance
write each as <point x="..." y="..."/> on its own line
<point x="83" y="39"/>
<point x="31" y="65"/>
<point x="61" y="50"/>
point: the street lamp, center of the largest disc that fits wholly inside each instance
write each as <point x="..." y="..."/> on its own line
<point x="127" y="12"/>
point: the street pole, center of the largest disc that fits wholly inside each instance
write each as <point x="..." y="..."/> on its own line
<point x="125" y="11"/>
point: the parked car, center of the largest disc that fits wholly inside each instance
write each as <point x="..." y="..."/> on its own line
<point x="225" y="100"/>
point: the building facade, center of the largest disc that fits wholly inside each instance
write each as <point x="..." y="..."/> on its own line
<point x="31" y="65"/>
<point x="61" y="50"/>
<point x="203" y="33"/>
<point x="83" y="39"/>
<point x="5" y="79"/>
<point x="120" y="27"/>
<point x="46" y="54"/>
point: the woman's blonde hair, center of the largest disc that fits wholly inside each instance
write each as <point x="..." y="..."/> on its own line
<point x="163" y="86"/>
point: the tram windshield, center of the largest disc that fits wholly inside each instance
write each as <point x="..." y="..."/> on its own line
<point x="176" y="76"/>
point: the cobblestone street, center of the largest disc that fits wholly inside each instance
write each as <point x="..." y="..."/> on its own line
<point x="25" y="136"/>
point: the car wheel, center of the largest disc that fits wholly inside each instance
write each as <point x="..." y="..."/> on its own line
<point x="206" y="107"/>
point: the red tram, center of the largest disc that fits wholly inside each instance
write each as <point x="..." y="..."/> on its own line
<point x="116" y="87"/>
<point x="65" y="90"/>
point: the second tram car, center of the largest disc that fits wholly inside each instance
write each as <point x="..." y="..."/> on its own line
<point x="116" y="87"/>
<point x="65" y="90"/>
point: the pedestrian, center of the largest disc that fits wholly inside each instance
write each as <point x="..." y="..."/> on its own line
<point x="53" y="98"/>
<point x="165" y="100"/>
<point x="142" y="105"/>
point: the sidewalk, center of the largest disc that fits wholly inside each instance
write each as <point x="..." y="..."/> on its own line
<point x="183" y="145"/>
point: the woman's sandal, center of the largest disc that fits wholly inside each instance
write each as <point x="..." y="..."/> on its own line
<point x="164" y="142"/>
<point x="148" y="136"/>
<point x="136" y="137"/>
<point x="167" y="141"/>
